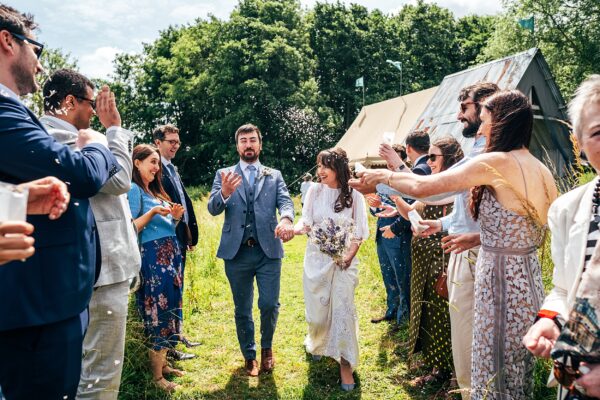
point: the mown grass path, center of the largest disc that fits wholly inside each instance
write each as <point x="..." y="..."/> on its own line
<point x="218" y="372"/>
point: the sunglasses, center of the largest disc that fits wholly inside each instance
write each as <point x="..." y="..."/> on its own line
<point x="92" y="102"/>
<point x="463" y="106"/>
<point x="38" y="47"/>
<point x="433" y="157"/>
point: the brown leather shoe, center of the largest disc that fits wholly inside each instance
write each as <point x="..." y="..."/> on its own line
<point x="252" y="367"/>
<point x="267" y="362"/>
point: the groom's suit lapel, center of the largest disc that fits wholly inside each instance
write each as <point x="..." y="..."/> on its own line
<point x="241" y="189"/>
<point x="261" y="181"/>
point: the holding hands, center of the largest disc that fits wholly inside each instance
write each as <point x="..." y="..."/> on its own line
<point x="229" y="183"/>
<point x="285" y="230"/>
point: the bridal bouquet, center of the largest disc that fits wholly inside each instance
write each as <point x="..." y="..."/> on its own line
<point x="332" y="237"/>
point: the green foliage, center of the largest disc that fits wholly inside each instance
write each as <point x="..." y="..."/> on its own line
<point x="290" y="72"/>
<point x="567" y="31"/>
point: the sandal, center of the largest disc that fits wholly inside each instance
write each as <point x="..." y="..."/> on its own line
<point x="165" y="385"/>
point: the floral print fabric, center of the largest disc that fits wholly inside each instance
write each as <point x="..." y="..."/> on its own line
<point x="159" y="298"/>
<point x="508" y="295"/>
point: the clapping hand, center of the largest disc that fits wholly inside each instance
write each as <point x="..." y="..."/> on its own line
<point x="15" y="244"/>
<point x="161" y="210"/>
<point x="284" y="230"/>
<point x="177" y="211"/>
<point x="229" y="183"/>
<point x="47" y="196"/>
<point x="373" y="200"/>
<point x="106" y="108"/>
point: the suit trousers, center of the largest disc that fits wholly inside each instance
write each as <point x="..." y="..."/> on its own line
<point x="394" y="261"/>
<point x="461" y="280"/>
<point x="251" y="262"/>
<point x="104" y="343"/>
<point x="41" y="362"/>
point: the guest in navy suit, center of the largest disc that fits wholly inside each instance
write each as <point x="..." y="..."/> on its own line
<point x="42" y="298"/>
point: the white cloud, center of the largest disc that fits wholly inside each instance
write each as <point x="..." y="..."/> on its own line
<point x="98" y="64"/>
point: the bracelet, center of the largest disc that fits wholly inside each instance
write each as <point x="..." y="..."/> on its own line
<point x="552" y="315"/>
<point x="389" y="177"/>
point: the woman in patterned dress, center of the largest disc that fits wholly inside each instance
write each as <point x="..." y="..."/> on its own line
<point x="160" y="294"/>
<point x="329" y="285"/>
<point x="512" y="192"/>
<point x="429" y="329"/>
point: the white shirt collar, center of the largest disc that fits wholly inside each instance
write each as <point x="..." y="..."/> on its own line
<point x="6" y="92"/>
<point x="244" y="165"/>
<point x="165" y="161"/>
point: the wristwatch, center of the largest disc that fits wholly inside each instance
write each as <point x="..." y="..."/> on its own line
<point x="401" y="167"/>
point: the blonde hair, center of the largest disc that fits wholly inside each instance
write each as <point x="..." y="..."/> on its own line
<point x="587" y="92"/>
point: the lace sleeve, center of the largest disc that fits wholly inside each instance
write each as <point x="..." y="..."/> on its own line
<point x="359" y="214"/>
<point x="306" y="221"/>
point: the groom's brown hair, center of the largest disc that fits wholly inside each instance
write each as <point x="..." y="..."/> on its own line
<point x="248" y="128"/>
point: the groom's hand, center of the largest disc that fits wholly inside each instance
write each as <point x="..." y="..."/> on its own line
<point x="284" y="230"/>
<point x="229" y="182"/>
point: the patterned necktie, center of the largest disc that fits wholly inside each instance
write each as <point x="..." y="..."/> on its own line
<point x="252" y="174"/>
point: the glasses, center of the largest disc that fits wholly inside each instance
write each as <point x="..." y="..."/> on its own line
<point x="38" y="47"/>
<point x="433" y="157"/>
<point x="92" y="102"/>
<point x="173" y="142"/>
<point x="463" y="106"/>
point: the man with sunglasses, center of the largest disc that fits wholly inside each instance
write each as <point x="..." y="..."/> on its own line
<point x="43" y="299"/>
<point x="166" y="138"/>
<point x="69" y="106"/>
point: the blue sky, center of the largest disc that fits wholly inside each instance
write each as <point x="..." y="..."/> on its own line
<point x="93" y="31"/>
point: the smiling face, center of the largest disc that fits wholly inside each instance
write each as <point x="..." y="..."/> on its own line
<point x="80" y="111"/>
<point x="148" y="167"/>
<point x="590" y="133"/>
<point x="486" y="123"/>
<point x="436" y="159"/>
<point x="327" y="176"/>
<point x="249" y="146"/>
<point x="169" y="146"/>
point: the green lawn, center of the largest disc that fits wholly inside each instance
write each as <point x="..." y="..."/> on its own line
<point x="218" y="374"/>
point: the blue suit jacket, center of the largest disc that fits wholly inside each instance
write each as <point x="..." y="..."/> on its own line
<point x="271" y="195"/>
<point x="56" y="282"/>
<point x="168" y="183"/>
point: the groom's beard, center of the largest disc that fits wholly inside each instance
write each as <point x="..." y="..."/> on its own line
<point x="250" y="156"/>
<point x="471" y="129"/>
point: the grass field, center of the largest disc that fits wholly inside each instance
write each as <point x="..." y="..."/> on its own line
<point x="218" y="373"/>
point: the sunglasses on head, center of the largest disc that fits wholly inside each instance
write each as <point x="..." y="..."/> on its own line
<point x="38" y="48"/>
<point x="433" y="157"/>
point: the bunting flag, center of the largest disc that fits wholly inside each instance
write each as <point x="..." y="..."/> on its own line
<point x="360" y="82"/>
<point x="527" y="23"/>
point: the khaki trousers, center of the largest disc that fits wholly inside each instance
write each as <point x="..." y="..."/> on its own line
<point x="461" y="279"/>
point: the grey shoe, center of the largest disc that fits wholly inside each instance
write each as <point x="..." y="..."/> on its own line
<point x="348" y="387"/>
<point x="316" y="357"/>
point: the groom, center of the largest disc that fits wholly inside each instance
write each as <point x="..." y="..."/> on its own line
<point x="250" y="194"/>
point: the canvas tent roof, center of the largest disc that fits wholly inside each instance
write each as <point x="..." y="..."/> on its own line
<point x="397" y="115"/>
<point x="526" y="71"/>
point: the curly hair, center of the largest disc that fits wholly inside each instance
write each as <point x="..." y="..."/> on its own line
<point x="337" y="160"/>
<point x="512" y="127"/>
<point x="450" y="149"/>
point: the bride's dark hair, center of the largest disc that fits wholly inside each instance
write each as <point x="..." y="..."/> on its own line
<point x="337" y="160"/>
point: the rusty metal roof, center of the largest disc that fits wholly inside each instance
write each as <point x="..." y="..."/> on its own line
<point x="439" y="117"/>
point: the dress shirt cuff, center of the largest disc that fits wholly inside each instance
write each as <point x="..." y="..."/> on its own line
<point x="223" y="199"/>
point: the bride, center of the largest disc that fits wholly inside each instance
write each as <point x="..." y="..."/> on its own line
<point x="329" y="285"/>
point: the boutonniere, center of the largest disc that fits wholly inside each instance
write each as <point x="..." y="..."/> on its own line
<point x="266" y="172"/>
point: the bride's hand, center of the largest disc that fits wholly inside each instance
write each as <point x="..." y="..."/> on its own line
<point x="346" y="261"/>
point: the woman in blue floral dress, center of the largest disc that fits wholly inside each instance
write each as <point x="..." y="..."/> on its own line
<point x="160" y="295"/>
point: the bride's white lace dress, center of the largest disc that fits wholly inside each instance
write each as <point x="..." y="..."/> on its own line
<point x="329" y="290"/>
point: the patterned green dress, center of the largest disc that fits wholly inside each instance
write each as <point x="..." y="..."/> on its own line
<point x="429" y="329"/>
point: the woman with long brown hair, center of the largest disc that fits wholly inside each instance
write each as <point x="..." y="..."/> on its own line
<point x="429" y="328"/>
<point x="160" y="295"/>
<point x="512" y="193"/>
<point x="329" y="283"/>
